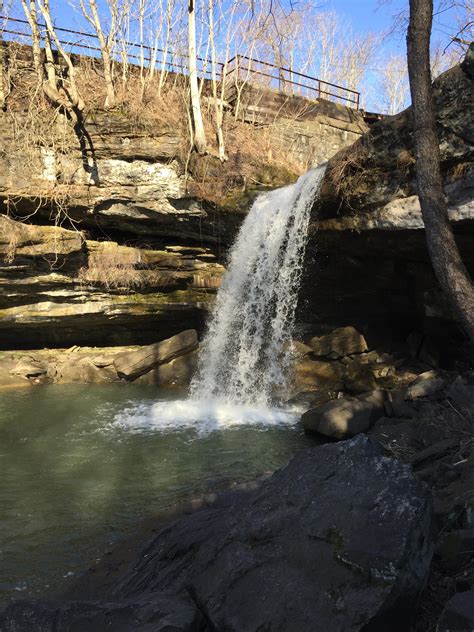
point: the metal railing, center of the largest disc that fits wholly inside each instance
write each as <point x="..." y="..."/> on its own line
<point x="238" y="69"/>
<point x="289" y="81"/>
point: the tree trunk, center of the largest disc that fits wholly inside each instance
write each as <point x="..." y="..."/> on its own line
<point x="199" y="134"/>
<point x="445" y="258"/>
<point x="50" y="69"/>
<point x="31" y="15"/>
<point x="2" y="74"/>
<point x="106" y="59"/>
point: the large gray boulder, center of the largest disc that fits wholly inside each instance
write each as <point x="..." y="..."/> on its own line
<point x="336" y="540"/>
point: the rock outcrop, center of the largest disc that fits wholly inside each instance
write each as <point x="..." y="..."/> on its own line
<point x="367" y="261"/>
<point x="58" y="288"/>
<point x="168" y="363"/>
<point x="227" y="567"/>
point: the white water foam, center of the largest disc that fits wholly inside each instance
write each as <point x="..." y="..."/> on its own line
<point x="203" y="416"/>
<point x="246" y="353"/>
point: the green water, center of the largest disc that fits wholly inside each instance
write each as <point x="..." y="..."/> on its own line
<point x="73" y="480"/>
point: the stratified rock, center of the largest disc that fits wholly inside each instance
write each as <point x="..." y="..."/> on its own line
<point x="340" y="342"/>
<point x="346" y="417"/>
<point x="134" y="363"/>
<point x="458" y="614"/>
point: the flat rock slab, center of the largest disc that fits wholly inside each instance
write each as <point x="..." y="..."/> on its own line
<point x="336" y="539"/>
<point x="135" y="363"/>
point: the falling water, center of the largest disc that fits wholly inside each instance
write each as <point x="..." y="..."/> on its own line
<point x="246" y="351"/>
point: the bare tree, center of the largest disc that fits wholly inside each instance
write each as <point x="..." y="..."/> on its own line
<point x="29" y="7"/>
<point x="94" y="19"/>
<point x="66" y="95"/>
<point x="445" y="258"/>
<point x="394" y="84"/>
<point x="199" y="135"/>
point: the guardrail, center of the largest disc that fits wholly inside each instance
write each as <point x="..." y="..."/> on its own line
<point x="238" y="69"/>
<point x="290" y="81"/>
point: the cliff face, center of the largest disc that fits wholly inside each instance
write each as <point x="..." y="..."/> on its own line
<point x="115" y="234"/>
<point x="126" y="234"/>
<point x="367" y="263"/>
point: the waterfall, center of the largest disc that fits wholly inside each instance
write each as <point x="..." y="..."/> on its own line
<point x="246" y="351"/>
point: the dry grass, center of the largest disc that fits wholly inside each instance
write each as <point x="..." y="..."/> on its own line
<point x="114" y="270"/>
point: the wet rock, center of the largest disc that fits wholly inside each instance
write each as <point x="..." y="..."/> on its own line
<point x="300" y="349"/>
<point x="458" y="614"/>
<point x="135" y="363"/>
<point x="345" y="417"/>
<point x="177" y="372"/>
<point x="340" y="342"/>
<point x="311" y="399"/>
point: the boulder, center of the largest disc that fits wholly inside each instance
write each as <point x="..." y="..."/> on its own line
<point x="132" y="364"/>
<point x="425" y="385"/>
<point x="177" y="372"/>
<point x="458" y="614"/>
<point x="358" y="378"/>
<point x="29" y="368"/>
<point x="455" y="549"/>
<point x="162" y="613"/>
<point x="316" y="374"/>
<point x="345" y="417"/>
<point x="300" y="349"/>
<point x="340" y="342"/>
<point x="461" y="392"/>
<point x="338" y="539"/>
<point x="80" y="370"/>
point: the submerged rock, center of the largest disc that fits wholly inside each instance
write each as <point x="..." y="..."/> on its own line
<point x="336" y="540"/>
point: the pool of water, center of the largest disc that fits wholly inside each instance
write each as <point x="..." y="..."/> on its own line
<point x="82" y="465"/>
